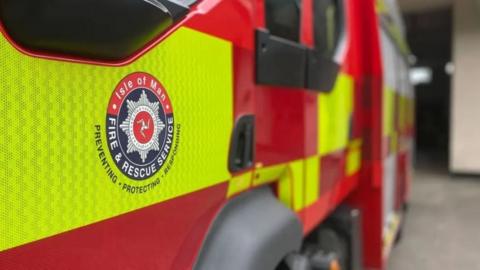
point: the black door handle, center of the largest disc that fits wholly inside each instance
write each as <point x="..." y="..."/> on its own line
<point x="242" y="144"/>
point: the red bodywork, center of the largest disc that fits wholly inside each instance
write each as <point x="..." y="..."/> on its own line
<point x="123" y="243"/>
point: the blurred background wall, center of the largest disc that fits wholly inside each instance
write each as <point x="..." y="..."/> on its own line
<point x="465" y="98"/>
<point x="444" y="36"/>
<point x="443" y="220"/>
<point x="429" y="34"/>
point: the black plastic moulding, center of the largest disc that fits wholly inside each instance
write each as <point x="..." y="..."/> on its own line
<point x="110" y="30"/>
<point x="321" y="72"/>
<point x="281" y="62"/>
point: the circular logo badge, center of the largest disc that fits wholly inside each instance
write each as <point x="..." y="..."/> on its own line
<point x="139" y="126"/>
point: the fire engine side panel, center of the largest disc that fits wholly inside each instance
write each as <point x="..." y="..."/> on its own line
<point x="209" y="17"/>
<point x="311" y="146"/>
<point x="155" y="237"/>
<point x="55" y="177"/>
<point x="389" y="131"/>
<point x="286" y="131"/>
<point x="368" y="195"/>
<point x="310" y="143"/>
<point x="397" y="124"/>
<point x="339" y="140"/>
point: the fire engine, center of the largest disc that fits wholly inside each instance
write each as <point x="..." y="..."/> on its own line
<point x="203" y="134"/>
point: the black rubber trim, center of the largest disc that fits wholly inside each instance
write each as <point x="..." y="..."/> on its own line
<point x="93" y="29"/>
<point x="280" y="62"/>
<point x="321" y="72"/>
<point x="242" y="145"/>
<point x="253" y="231"/>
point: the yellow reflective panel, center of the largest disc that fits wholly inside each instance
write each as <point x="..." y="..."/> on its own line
<point x="269" y="174"/>
<point x="354" y="157"/>
<point x="381" y="7"/>
<point x="295" y="173"/>
<point x="290" y="177"/>
<point x="388" y="112"/>
<point x="335" y="111"/>
<point x="312" y="180"/>
<point x="285" y="186"/>
<point x="239" y="183"/>
<point x="51" y="177"/>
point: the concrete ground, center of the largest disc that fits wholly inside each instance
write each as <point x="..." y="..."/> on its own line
<point x="443" y="224"/>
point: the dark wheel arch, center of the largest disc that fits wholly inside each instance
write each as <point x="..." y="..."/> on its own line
<point x="253" y="231"/>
